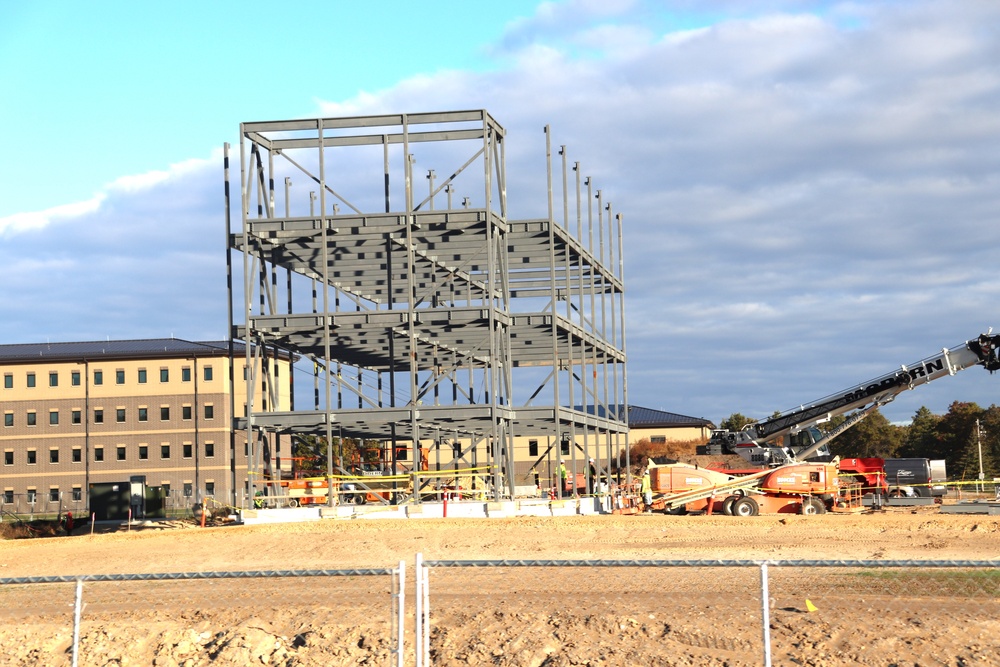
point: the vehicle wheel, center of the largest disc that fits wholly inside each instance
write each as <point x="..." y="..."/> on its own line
<point x="727" y="505"/>
<point x="293" y="503"/>
<point x="896" y="493"/>
<point x="813" y="506"/>
<point x="360" y="498"/>
<point x="676" y="511"/>
<point x="745" y="506"/>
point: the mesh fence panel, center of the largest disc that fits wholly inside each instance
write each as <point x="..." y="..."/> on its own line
<point x="711" y="613"/>
<point x="270" y="620"/>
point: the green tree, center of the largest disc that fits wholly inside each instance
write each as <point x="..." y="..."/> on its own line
<point x="990" y="422"/>
<point x="736" y="422"/>
<point x="954" y="431"/>
<point x="873" y="436"/>
<point x="922" y="436"/>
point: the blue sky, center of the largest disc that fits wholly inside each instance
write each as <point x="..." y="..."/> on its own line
<point x="811" y="190"/>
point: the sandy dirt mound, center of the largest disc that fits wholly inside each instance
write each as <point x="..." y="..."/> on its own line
<point x="516" y="615"/>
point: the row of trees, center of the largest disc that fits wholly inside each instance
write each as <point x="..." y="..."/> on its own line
<point x="953" y="437"/>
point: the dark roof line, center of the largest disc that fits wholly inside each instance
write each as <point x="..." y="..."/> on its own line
<point x="114" y="349"/>
<point x="639" y="417"/>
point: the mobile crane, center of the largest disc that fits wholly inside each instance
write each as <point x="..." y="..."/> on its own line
<point x="757" y="442"/>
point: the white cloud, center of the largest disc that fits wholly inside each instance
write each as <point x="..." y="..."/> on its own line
<point x="809" y="198"/>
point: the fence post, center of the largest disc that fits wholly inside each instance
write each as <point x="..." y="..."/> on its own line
<point x="77" y="607"/>
<point x="425" y="644"/>
<point x="765" y="613"/>
<point x="418" y="622"/>
<point x="400" y="616"/>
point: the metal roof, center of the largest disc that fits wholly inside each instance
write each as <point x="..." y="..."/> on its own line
<point x="113" y="349"/>
<point x="639" y="417"/>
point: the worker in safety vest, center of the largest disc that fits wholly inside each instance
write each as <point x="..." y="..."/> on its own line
<point x="563" y="475"/>
<point x="647" y="490"/>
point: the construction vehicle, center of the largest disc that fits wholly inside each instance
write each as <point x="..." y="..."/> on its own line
<point x="759" y="443"/>
<point x="797" y="488"/>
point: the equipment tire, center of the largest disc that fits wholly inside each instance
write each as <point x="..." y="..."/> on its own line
<point x="360" y="498"/>
<point x="293" y="503"/>
<point x="811" y="506"/>
<point x="727" y="504"/>
<point x="746" y="506"/>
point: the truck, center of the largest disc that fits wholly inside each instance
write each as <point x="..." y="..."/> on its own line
<point x="762" y="443"/>
<point x="915" y="478"/>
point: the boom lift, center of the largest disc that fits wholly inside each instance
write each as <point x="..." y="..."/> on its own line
<point x="757" y="443"/>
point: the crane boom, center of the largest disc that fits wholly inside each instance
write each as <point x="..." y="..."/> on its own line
<point x="983" y="351"/>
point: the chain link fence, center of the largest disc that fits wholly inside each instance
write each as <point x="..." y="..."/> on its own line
<point x="351" y="616"/>
<point x="717" y="613"/>
<point x="714" y="613"/>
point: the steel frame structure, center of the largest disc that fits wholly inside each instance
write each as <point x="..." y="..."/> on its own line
<point x="416" y="318"/>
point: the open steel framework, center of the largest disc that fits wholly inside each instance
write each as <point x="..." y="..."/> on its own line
<point x="452" y="326"/>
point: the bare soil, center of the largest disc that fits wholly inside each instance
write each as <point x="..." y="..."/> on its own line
<point x="520" y="614"/>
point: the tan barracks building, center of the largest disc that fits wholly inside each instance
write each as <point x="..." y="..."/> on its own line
<point x="155" y="414"/>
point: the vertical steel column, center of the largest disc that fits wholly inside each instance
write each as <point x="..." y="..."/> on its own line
<point x="325" y="258"/>
<point x="552" y="303"/>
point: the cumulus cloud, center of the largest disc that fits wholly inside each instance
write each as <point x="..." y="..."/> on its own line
<point x="809" y="197"/>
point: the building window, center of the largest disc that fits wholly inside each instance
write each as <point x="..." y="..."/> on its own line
<point x="166" y="488"/>
<point x="164" y="413"/>
<point x="32" y="418"/>
<point x="8" y="381"/>
<point x="53" y="456"/>
<point x="209" y="488"/>
<point x="99" y="454"/>
<point x="32" y="457"/>
<point x="142" y="376"/>
<point x="120" y="452"/>
<point x="53" y="379"/>
<point x="8" y="495"/>
<point x="32" y="496"/>
<point x="188" y="490"/>
<point x="120" y="415"/>
<point x="76" y="416"/>
<point x="532" y="448"/>
<point x="74" y="378"/>
<point x="119" y="377"/>
<point x="143" y="414"/>
<point x="54" y="495"/>
<point x="209" y="450"/>
<point x="54" y="418"/>
<point x="31" y="379"/>
<point x="186" y="374"/>
<point x="164" y="375"/>
<point x="186" y="412"/>
<point x="98" y="377"/>
<point x="8" y="458"/>
<point x="77" y="455"/>
<point x="564" y="446"/>
<point x="658" y="439"/>
<point x="143" y="452"/>
<point x="98" y="416"/>
<point x="8" y="419"/>
<point x="164" y="451"/>
<point x="77" y="494"/>
<point x="209" y="412"/>
<point x="208" y="373"/>
<point x="187" y="450"/>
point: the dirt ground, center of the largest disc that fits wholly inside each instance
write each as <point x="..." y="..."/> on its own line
<point x="517" y="615"/>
